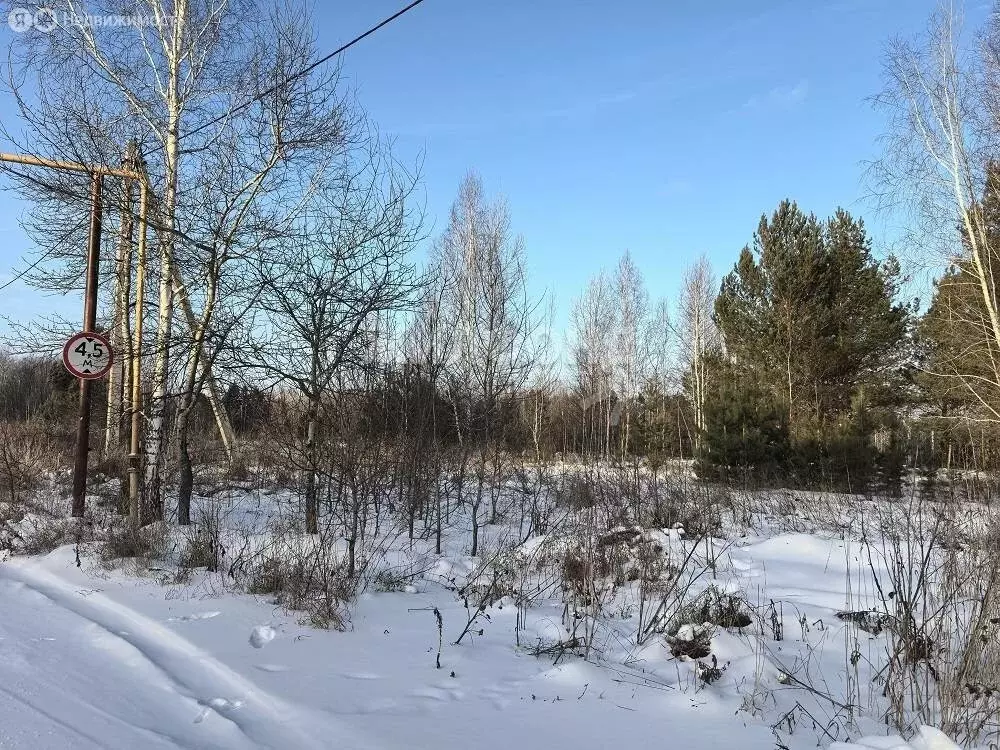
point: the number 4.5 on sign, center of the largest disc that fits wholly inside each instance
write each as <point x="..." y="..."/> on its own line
<point x="87" y="356"/>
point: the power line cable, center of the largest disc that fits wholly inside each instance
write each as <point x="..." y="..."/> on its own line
<point x="27" y="270"/>
<point x="249" y="102"/>
<point x="304" y="71"/>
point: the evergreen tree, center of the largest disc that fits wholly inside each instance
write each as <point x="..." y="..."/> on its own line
<point x="746" y="429"/>
<point x="811" y="314"/>
<point x="958" y="357"/>
<point x="866" y="345"/>
<point x="815" y="349"/>
<point x="665" y="425"/>
<point x="764" y="310"/>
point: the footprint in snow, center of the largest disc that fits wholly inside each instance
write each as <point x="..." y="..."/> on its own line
<point x="197" y="616"/>
<point x="262" y="635"/>
<point x="216" y="704"/>
<point x="223" y="703"/>
<point x="271" y="667"/>
<point x="438" y="694"/>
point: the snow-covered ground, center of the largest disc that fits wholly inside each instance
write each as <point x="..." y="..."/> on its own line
<point x="115" y="662"/>
<point x="98" y="658"/>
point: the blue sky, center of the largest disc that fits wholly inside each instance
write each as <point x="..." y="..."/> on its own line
<point x="662" y="128"/>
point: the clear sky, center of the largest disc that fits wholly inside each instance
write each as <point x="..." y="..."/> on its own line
<point x="660" y="127"/>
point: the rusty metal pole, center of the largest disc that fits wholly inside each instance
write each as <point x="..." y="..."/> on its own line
<point x="119" y="382"/>
<point x="89" y="323"/>
<point x="134" y="456"/>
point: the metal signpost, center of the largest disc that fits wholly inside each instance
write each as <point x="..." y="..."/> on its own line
<point x="88" y="355"/>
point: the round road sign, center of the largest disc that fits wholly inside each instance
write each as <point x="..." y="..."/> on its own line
<point x="88" y="355"/>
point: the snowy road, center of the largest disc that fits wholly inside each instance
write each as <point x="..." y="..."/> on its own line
<point x="78" y="671"/>
<point x="92" y="659"/>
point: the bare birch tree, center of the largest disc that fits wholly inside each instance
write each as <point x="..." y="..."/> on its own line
<point x="632" y="343"/>
<point x="696" y="333"/>
<point x="255" y="180"/>
<point x="543" y="383"/>
<point x="205" y="88"/>
<point x="494" y="321"/>
<point x="593" y="321"/>
<point x="614" y="332"/>
<point x="942" y="100"/>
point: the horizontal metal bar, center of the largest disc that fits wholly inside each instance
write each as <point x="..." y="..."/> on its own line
<point x="36" y="161"/>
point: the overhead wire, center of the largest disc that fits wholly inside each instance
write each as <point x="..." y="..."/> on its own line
<point x="305" y="71"/>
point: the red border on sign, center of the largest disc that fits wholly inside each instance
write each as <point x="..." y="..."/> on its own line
<point x="87" y="335"/>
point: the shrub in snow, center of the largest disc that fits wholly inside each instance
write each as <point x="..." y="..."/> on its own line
<point x="724" y="610"/>
<point x="269" y="577"/>
<point x="710" y="674"/>
<point x="689" y="632"/>
<point x="390" y="579"/>
<point x="25" y="533"/>
<point x="869" y="621"/>
<point x="121" y="542"/>
<point x="692" y="641"/>
<point x="577" y="492"/>
<point x="27" y="453"/>
<point x="321" y="592"/>
<point x="940" y="611"/>
<point x="202" y="549"/>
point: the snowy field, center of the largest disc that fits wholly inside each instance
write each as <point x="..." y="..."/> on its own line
<point x="146" y="656"/>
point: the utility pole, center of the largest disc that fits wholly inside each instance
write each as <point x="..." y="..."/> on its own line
<point x="97" y="174"/>
<point x="134" y="458"/>
<point x="134" y="170"/>
<point x="120" y="377"/>
<point x="89" y="325"/>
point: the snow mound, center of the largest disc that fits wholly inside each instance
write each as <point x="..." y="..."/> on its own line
<point x="262" y="635"/>
<point x="927" y="738"/>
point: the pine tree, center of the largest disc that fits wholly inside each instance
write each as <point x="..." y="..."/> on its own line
<point x="815" y="344"/>
<point x="811" y="314"/>
<point x="746" y="429"/>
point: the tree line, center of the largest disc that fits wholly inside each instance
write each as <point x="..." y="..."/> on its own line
<point x="283" y="298"/>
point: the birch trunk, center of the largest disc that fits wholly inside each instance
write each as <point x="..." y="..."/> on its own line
<point x="156" y="434"/>
<point x="209" y="385"/>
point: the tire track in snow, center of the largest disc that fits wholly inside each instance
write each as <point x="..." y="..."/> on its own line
<point x="74" y="729"/>
<point x="70" y="728"/>
<point x="262" y="718"/>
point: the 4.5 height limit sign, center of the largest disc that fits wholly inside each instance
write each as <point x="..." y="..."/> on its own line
<point x="88" y="355"/>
